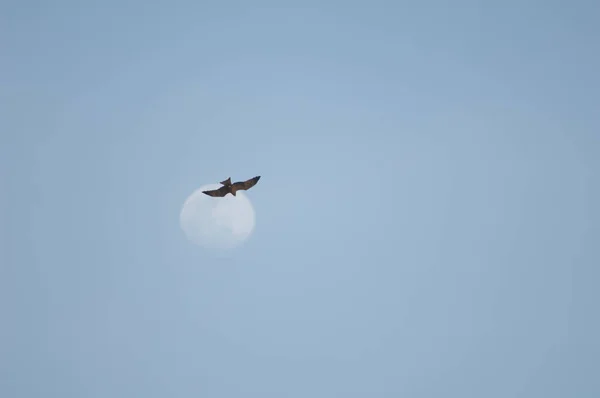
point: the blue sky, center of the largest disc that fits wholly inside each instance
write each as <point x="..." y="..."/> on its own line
<point x="427" y="219"/>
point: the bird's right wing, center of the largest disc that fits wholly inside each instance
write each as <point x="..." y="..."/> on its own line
<point x="217" y="192"/>
<point x="245" y="185"/>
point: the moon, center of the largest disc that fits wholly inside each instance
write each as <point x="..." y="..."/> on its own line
<point x="217" y="223"/>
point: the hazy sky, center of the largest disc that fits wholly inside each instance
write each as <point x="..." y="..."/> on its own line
<point x="427" y="216"/>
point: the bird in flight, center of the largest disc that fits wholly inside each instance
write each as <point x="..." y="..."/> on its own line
<point x="228" y="187"/>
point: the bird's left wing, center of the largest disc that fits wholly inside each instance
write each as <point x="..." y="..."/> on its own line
<point x="217" y="192"/>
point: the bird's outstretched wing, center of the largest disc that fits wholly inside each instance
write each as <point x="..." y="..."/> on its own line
<point x="217" y="192"/>
<point x="245" y="185"/>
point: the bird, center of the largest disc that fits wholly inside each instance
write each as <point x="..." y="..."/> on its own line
<point x="228" y="187"/>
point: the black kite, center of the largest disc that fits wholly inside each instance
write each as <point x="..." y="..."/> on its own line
<point x="228" y="187"/>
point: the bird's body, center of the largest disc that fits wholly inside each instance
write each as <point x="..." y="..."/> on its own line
<point x="228" y="187"/>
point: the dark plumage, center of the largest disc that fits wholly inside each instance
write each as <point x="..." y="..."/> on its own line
<point x="228" y="187"/>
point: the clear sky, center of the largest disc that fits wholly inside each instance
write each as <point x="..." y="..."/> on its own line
<point x="427" y="216"/>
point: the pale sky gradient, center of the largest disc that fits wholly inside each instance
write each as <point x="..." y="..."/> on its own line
<point x="427" y="217"/>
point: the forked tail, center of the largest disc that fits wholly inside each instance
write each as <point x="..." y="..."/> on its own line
<point x="227" y="182"/>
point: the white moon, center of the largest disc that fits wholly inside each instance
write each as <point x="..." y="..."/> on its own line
<point x="217" y="223"/>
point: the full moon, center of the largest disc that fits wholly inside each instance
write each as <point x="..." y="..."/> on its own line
<point x="217" y="223"/>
